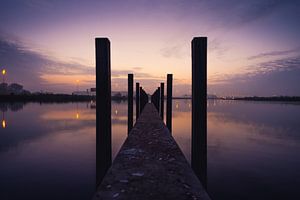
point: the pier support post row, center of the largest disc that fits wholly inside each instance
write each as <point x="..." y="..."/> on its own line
<point x="158" y="100"/>
<point x="199" y="108"/>
<point x="130" y="102"/>
<point x="155" y="98"/>
<point x="162" y="98"/>
<point x="144" y="99"/>
<point x="137" y="100"/>
<point x="169" y="101"/>
<point x="103" y="108"/>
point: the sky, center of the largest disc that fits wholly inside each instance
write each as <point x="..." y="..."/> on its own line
<point x="253" y="46"/>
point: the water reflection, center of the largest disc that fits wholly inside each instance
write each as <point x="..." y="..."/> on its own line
<point x="52" y="146"/>
<point x="253" y="148"/>
<point x="4" y="107"/>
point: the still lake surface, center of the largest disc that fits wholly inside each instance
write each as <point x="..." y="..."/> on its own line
<point x="47" y="151"/>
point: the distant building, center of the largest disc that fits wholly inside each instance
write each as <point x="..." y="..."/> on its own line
<point x="119" y="93"/>
<point x="212" y="96"/>
<point x="3" y="88"/>
<point x="82" y="93"/>
<point x="14" y="88"/>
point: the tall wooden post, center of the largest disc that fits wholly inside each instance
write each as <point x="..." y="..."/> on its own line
<point x="199" y="108"/>
<point x="103" y="109"/>
<point x="157" y="99"/>
<point x="144" y="99"/>
<point x="169" y="101"/>
<point x="137" y="100"/>
<point x="162" y="98"/>
<point x="130" y="102"/>
<point x="142" y="102"/>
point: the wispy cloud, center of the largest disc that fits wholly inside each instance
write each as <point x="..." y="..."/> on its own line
<point x="175" y="51"/>
<point x="274" y="53"/>
<point x="280" y="77"/>
<point x="37" y="71"/>
<point x="29" y="67"/>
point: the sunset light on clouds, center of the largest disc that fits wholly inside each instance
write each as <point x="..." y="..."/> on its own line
<point x="253" y="46"/>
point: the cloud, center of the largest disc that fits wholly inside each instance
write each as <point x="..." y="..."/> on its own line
<point x="37" y="71"/>
<point x="28" y="67"/>
<point x="175" y="51"/>
<point x="276" y="77"/>
<point x="257" y="9"/>
<point x="274" y="53"/>
<point x="137" y="74"/>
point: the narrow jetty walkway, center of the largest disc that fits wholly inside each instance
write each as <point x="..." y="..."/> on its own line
<point x="150" y="165"/>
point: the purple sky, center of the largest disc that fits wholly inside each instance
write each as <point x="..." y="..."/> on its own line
<point x="253" y="49"/>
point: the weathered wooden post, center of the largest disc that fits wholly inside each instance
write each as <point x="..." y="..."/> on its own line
<point x="130" y="102"/>
<point x="144" y="99"/>
<point x="162" y="98"/>
<point x="137" y="100"/>
<point x="103" y="108"/>
<point x="152" y="97"/>
<point x="158" y="100"/>
<point x="199" y="108"/>
<point x="155" y="98"/>
<point x="169" y="101"/>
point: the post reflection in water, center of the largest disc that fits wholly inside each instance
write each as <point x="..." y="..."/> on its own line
<point x="251" y="145"/>
<point x="119" y="134"/>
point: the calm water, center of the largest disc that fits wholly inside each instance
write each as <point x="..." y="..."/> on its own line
<point x="47" y="151"/>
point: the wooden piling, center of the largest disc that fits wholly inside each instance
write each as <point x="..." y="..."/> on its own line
<point x="169" y="101"/>
<point x="158" y="100"/>
<point x="137" y="99"/>
<point x="144" y="99"/>
<point x="199" y="108"/>
<point x="155" y="98"/>
<point x="150" y="166"/>
<point x="162" y="98"/>
<point x="103" y="109"/>
<point x="130" y="102"/>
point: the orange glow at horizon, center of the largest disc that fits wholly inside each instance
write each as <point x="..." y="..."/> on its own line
<point x="68" y="79"/>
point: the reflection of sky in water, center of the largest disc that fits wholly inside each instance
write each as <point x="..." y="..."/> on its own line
<point x="48" y="151"/>
<point x="253" y="148"/>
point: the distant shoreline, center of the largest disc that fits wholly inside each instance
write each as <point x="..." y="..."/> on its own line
<point x="277" y="98"/>
<point x="53" y="98"/>
<point x="45" y="98"/>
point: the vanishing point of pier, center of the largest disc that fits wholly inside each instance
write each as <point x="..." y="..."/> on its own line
<point x="150" y="164"/>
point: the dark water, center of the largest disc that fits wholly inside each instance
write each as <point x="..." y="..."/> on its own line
<point x="48" y="151"/>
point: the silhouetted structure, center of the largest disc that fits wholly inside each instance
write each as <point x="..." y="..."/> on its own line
<point x="144" y="99"/>
<point x="103" y="110"/>
<point x="137" y="100"/>
<point x="151" y="130"/>
<point x="155" y="98"/>
<point x="162" y="98"/>
<point x="169" y="101"/>
<point x="130" y="102"/>
<point x="199" y="108"/>
<point x="150" y="165"/>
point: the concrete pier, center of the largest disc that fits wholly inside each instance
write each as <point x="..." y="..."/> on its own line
<point x="150" y="165"/>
